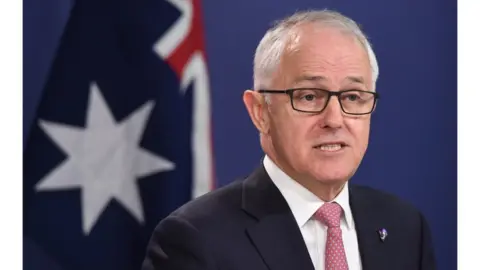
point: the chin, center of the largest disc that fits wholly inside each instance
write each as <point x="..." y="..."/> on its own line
<point x="332" y="179"/>
<point x="332" y="175"/>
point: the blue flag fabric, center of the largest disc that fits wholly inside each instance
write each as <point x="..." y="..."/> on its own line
<point x="43" y="25"/>
<point x="110" y="150"/>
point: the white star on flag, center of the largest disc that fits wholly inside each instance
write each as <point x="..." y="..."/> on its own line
<point x="104" y="159"/>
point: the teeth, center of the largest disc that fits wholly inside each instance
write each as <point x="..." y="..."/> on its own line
<point x="330" y="147"/>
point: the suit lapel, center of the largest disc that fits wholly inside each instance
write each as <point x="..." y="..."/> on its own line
<point x="373" y="252"/>
<point x="276" y="235"/>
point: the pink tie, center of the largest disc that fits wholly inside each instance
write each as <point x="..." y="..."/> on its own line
<point x="329" y="214"/>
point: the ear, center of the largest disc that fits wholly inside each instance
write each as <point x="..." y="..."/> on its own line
<point x="256" y="107"/>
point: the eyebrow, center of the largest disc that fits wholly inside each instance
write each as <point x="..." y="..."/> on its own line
<point x="311" y="78"/>
<point x="356" y="79"/>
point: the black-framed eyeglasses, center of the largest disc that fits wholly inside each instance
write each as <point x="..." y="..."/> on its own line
<point x="315" y="100"/>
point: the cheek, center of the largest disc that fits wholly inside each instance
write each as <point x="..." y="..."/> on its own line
<point x="291" y="135"/>
<point x="360" y="130"/>
<point x="287" y="133"/>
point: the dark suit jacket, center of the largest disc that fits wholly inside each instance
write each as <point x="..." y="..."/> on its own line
<point x="248" y="225"/>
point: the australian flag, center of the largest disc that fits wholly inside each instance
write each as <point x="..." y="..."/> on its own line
<point x="121" y="135"/>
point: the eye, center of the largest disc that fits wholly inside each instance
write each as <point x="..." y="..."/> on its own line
<point x="309" y="97"/>
<point x="306" y="95"/>
<point x="351" y="97"/>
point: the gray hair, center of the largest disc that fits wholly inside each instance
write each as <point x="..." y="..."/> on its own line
<point x="270" y="49"/>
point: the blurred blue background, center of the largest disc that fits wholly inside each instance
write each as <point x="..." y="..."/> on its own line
<point x="412" y="150"/>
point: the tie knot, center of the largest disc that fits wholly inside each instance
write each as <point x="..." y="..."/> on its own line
<point x="329" y="214"/>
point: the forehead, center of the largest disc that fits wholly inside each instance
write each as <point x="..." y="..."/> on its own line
<point x="324" y="52"/>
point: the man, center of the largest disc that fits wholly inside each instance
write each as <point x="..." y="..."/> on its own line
<point x="314" y="80"/>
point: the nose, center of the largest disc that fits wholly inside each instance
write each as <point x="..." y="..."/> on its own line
<point x="333" y="115"/>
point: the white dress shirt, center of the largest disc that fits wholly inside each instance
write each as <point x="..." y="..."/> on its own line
<point x="303" y="205"/>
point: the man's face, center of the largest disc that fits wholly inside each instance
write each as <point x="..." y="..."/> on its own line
<point x="329" y="146"/>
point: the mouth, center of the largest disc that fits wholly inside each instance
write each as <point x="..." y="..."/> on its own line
<point x="331" y="146"/>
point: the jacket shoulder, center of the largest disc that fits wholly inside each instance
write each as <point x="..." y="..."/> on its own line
<point x="384" y="202"/>
<point x="212" y="206"/>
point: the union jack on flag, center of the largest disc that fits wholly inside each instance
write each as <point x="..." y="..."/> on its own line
<point x="121" y="136"/>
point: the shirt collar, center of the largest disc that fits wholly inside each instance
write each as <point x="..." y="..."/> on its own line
<point x="301" y="201"/>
